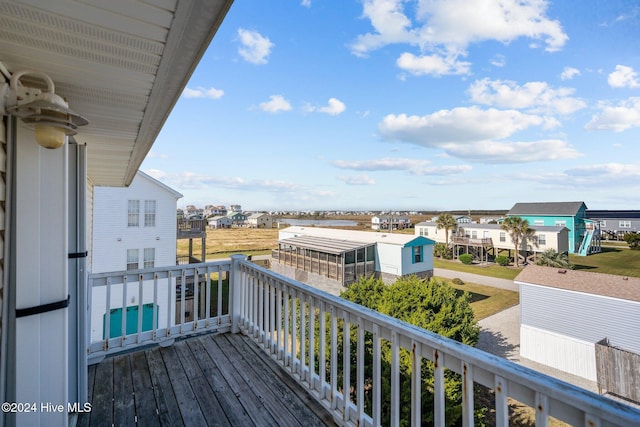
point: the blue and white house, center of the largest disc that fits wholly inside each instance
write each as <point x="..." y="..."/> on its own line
<point x="349" y="254"/>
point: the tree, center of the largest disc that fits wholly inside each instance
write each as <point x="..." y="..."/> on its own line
<point x="518" y="229"/>
<point x="447" y="222"/>
<point x="429" y="304"/>
<point x="551" y="258"/>
<point x="633" y="240"/>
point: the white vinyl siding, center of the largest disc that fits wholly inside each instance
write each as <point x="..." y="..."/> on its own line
<point x="133" y="213"/>
<point x="149" y="213"/>
<point x="149" y="257"/>
<point x="132" y="259"/>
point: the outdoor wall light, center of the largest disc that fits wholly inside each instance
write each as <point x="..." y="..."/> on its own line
<point x="47" y="113"/>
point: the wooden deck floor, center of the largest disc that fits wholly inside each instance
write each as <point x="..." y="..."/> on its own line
<point x="207" y="380"/>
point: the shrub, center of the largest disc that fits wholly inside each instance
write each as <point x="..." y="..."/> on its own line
<point x="457" y="281"/>
<point x="502" y="260"/>
<point x="466" y="258"/>
<point x="442" y="250"/>
<point x="633" y="240"/>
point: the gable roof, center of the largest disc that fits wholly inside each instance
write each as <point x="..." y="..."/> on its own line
<point x="628" y="214"/>
<point x="547" y="208"/>
<point x="621" y="287"/>
<point x="162" y="185"/>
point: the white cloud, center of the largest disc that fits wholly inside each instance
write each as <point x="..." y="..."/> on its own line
<point x="569" y="73"/>
<point x="532" y="96"/>
<point x="275" y="104"/>
<point x="448" y="27"/>
<point x="624" y="76"/>
<point x="357" y="180"/>
<point x="616" y="118"/>
<point x="499" y="61"/>
<point x="598" y="175"/>
<point x="432" y="64"/>
<point x="333" y="107"/>
<point x="474" y="134"/>
<point x="155" y="155"/>
<point x="306" y="3"/>
<point x="255" y="47"/>
<point x="412" y="166"/>
<point x="201" y="92"/>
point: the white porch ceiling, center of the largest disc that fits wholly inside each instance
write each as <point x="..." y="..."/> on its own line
<point x="122" y="64"/>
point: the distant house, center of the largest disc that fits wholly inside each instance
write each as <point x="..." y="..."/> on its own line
<point x="490" y="219"/>
<point x="397" y="222"/>
<point x="564" y="313"/>
<point x="237" y="218"/>
<point x="219" y="222"/>
<point x="260" y="220"/>
<point x="489" y="240"/>
<point x="316" y="255"/>
<point x="134" y="227"/>
<point x="615" y="224"/>
<point x="211" y="210"/>
<point x="460" y="219"/>
<point x="584" y="234"/>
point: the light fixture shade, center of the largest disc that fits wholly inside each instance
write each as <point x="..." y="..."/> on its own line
<point x="47" y="112"/>
<point x="49" y="136"/>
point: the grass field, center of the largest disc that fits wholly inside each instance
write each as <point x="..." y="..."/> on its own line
<point x="624" y="262"/>
<point x="226" y="241"/>
<point x="486" y="300"/>
<point x="490" y="270"/>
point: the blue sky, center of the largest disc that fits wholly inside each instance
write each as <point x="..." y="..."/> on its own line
<point x="411" y="105"/>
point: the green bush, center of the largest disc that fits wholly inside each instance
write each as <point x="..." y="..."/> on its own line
<point x="633" y="240"/>
<point x="466" y="258"/>
<point x="502" y="260"/>
<point x="457" y="281"/>
<point x="442" y="250"/>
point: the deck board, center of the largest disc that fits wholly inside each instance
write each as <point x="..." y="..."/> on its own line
<point x="204" y="380"/>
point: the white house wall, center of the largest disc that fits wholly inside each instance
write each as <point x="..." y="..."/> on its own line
<point x="409" y="267"/>
<point x="112" y="237"/>
<point x="555" y="239"/>
<point x="562" y="352"/>
<point x="575" y="317"/>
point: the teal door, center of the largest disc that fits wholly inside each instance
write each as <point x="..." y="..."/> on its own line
<point x="115" y="320"/>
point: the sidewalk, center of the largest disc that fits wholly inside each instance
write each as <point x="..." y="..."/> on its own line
<point x="476" y="278"/>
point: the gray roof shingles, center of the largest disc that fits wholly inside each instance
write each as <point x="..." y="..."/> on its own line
<point x="547" y="208"/>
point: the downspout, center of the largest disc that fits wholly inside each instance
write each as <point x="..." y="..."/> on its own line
<point x="7" y="376"/>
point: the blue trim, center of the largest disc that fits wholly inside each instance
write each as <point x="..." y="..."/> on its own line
<point x="420" y="241"/>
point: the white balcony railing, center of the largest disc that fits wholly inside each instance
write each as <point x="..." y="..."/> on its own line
<point x="139" y="307"/>
<point x="303" y="328"/>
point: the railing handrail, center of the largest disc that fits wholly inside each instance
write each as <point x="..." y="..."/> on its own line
<point x="520" y="378"/>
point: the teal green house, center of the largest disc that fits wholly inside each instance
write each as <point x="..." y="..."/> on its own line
<point x="584" y="234"/>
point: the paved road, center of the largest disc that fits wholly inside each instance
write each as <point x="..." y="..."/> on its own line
<point x="477" y="278"/>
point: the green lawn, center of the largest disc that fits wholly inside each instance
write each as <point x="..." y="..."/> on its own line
<point x="486" y="300"/>
<point x="624" y="262"/>
<point x="491" y="270"/>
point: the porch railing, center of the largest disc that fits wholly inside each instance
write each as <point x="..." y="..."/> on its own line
<point x="300" y="327"/>
<point x="324" y="342"/>
<point x="127" y="309"/>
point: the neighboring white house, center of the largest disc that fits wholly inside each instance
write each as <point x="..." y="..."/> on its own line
<point x="460" y="219"/>
<point x="382" y="222"/>
<point x="133" y="227"/>
<point x="564" y="313"/>
<point x="493" y="236"/>
<point x="220" y="222"/>
<point x="317" y="255"/>
<point x="260" y="220"/>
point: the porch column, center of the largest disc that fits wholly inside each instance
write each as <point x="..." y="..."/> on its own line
<point x="41" y="218"/>
<point x="236" y="293"/>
